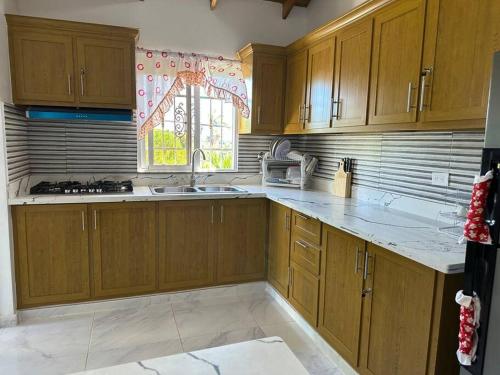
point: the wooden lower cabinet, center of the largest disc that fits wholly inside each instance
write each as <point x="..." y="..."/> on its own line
<point x="279" y="247"/>
<point x="51" y="254"/>
<point x="186" y="242"/>
<point x="410" y="318"/>
<point x="242" y="231"/>
<point x="341" y="288"/>
<point x="123" y="247"/>
<point x="304" y="292"/>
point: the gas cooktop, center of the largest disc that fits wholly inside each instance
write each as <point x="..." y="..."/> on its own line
<point x="75" y="187"/>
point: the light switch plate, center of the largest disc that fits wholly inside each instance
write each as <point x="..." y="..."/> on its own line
<point x="440" y="179"/>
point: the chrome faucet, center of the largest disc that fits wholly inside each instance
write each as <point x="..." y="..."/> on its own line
<point x="193" y="179"/>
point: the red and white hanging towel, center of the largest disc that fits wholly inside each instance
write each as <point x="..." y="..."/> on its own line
<point x="475" y="228"/>
<point x="470" y="311"/>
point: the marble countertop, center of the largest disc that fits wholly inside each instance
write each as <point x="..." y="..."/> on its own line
<point x="259" y="357"/>
<point x="411" y="236"/>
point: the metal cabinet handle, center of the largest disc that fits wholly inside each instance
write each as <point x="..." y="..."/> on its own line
<point x="95" y="219"/>
<point x="287" y="221"/>
<point x="335" y="109"/>
<point x="365" y="272"/>
<point x="356" y="266"/>
<point x="221" y="214"/>
<point x="423" y="87"/>
<point x="309" y="110"/>
<point x="258" y="114"/>
<point x="83" y="221"/>
<point x="212" y="217"/>
<point x="300" y="113"/>
<point x="82" y="81"/>
<point x="69" y="84"/>
<point x="409" y="106"/>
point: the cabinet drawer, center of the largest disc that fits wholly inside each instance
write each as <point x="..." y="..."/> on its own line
<point x="306" y="227"/>
<point x="304" y="293"/>
<point x="306" y="254"/>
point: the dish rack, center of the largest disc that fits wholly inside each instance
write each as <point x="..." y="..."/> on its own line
<point x="274" y="171"/>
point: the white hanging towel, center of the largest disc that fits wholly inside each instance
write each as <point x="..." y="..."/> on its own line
<point x="470" y="311"/>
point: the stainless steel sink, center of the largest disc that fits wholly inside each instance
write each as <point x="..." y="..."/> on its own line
<point x="220" y="189"/>
<point x="164" y="190"/>
<point x="160" y="190"/>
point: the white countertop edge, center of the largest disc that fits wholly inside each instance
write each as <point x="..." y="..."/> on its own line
<point x="142" y="193"/>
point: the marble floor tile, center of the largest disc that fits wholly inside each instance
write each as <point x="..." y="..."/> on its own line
<point x="49" y="337"/>
<point x="133" y="353"/>
<point x="190" y="344"/>
<point x="266" y="311"/>
<point x="198" y="321"/>
<point x="303" y="347"/>
<point x="36" y="363"/>
<point x="124" y="328"/>
<point x="255" y="289"/>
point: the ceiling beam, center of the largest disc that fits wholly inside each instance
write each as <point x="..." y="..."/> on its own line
<point x="287" y="8"/>
<point x="213" y="4"/>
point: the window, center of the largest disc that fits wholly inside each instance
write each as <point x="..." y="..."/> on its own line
<point x="194" y="120"/>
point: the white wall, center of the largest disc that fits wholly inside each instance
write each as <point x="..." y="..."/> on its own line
<point x="322" y="11"/>
<point x="185" y="25"/>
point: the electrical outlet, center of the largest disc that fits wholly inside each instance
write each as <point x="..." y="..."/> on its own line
<point x="440" y="179"/>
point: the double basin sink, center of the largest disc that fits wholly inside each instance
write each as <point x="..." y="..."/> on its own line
<point x="164" y="190"/>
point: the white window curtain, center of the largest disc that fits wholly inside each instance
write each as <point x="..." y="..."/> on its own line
<point x="161" y="75"/>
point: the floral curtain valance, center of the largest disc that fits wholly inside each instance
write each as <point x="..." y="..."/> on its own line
<point x="161" y="75"/>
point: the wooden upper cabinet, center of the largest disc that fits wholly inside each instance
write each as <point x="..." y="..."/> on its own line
<point x="395" y="74"/>
<point x="352" y="74"/>
<point x="263" y="68"/>
<point x="123" y="243"/>
<point x="52" y="255"/>
<point x="296" y="77"/>
<point x="279" y="247"/>
<point x="72" y="64"/>
<point x="457" y="59"/>
<point x="242" y="233"/>
<point x="186" y="260"/>
<point x="342" y="280"/>
<point x="42" y="68"/>
<point x="106" y="72"/>
<point x="320" y="67"/>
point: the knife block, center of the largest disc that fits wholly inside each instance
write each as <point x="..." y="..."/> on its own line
<point x="342" y="182"/>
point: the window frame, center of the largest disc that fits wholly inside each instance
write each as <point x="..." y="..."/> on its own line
<point x="193" y="142"/>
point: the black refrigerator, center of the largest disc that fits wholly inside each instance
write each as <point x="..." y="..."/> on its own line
<point x="482" y="262"/>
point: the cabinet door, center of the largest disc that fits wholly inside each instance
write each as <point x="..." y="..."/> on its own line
<point x="186" y="260"/>
<point x="457" y="59"/>
<point x="106" y="75"/>
<point x="279" y="247"/>
<point x="398" y="315"/>
<point x="397" y="50"/>
<point x="304" y="292"/>
<point x="42" y="68"/>
<point x="341" y="288"/>
<point x="295" y="94"/>
<point x="352" y="74"/>
<point x="52" y="254"/>
<point x="320" y="66"/>
<point x="241" y="240"/>
<point x="124" y="248"/>
<point x="269" y="75"/>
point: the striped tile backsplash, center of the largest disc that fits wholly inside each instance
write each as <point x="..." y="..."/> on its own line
<point x="400" y="163"/>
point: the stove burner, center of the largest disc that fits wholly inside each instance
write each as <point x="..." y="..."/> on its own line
<point x="75" y="187"/>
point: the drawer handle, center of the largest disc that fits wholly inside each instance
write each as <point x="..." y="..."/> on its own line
<point x="303" y="216"/>
<point x="83" y="221"/>
<point x="212" y="218"/>
<point x="95" y="219"/>
<point x="287" y="221"/>
<point x="302" y="244"/>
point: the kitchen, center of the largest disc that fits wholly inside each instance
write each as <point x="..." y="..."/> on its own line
<point x="182" y="185"/>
